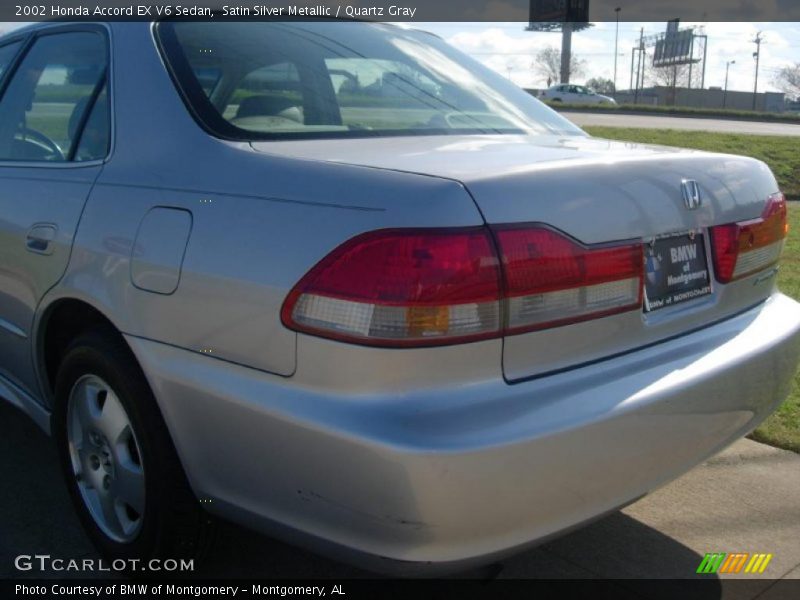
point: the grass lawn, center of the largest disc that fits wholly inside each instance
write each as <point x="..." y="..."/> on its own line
<point x="680" y="111"/>
<point x="783" y="428"/>
<point x="783" y="156"/>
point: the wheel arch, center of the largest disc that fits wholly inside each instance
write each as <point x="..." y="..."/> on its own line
<point x="60" y="322"/>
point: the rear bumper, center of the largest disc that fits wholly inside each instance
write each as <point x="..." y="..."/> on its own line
<point x="462" y="475"/>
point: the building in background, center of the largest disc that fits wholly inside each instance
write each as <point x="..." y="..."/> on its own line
<point x="707" y="98"/>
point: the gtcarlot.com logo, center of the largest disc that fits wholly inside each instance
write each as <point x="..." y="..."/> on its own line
<point x="45" y="562"/>
<point x="733" y="562"/>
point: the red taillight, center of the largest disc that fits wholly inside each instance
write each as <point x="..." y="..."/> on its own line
<point x="432" y="287"/>
<point x="553" y="280"/>
<point x="402" y="287"/>
<point x="744" y="248"/>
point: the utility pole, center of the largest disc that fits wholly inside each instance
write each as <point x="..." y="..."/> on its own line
<point x="633" y="60"/>
<point x="616" y="48"/>
<point x="639" y="67"/>
<point x="757" y="56"/>
<point x="566" y="51"/>
<point x="725" y="95"/>
<point x="705" y="60"/>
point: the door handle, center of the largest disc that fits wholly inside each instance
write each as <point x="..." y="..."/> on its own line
<point x="40" y="238"/>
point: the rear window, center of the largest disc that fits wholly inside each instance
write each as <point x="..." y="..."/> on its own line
<point x="260" y="80"/>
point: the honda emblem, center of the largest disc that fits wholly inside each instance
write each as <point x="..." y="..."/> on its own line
<point x="691" y="194"/>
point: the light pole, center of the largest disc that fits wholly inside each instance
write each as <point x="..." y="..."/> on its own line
<point x="725" y="95"/>
<point x="616" y="49"/>
<point x="640" y="66"/>
<point x="757" y="56"/>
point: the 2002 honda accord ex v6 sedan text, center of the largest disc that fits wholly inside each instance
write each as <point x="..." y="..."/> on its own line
<point x="340" y="283"/>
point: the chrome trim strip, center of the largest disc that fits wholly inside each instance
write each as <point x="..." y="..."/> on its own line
<point x="13" y="329"/>
<point x="28" y="164"/>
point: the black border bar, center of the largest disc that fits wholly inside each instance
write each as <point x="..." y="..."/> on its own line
<point x="700" y="588"/>
<point x="408" y="10"/>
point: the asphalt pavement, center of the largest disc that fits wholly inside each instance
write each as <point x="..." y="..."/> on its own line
<point x="686" y="123"/>
<point x="746" y="499"/>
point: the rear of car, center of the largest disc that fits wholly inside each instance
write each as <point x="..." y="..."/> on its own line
<point x="608" y="321"/>
<point x="382" y="302"/>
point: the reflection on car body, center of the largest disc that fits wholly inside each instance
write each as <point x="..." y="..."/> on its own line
<point x="340" y="283"/>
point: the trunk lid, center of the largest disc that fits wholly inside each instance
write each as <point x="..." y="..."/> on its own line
<point x="597" y="192"/>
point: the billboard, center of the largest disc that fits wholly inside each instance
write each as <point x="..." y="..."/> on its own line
<point x="558" y="11"/>
<point x="672" y="26"/>
<point x="674" y="48"/>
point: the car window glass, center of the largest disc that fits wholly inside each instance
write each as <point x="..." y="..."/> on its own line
<point x="318" y="79"/>
<point x="380" y="94"/>
<point x="271" y="93"/>
<point x="208" y="79"/>
<point x="96" y="134"/>
<point x="7" y="54"/>
<point x="45" y="101"/>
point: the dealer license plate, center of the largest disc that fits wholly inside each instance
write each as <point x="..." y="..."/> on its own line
<point x="676" y="271"/>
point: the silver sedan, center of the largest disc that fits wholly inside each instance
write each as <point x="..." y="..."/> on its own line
<point x="575" y="94"/>
<point x="338" y="282"/>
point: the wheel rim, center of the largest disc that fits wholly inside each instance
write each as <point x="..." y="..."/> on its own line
<point x="106" y="458"/>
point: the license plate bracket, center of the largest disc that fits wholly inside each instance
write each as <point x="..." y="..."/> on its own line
<point x="676" y="270"/>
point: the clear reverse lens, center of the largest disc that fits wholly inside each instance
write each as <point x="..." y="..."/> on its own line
<point x="374" y="322"/>
<point x="430" y="287"/>
<point x="741" y="249"/>
<point x="553" y="280"/>
<point x="402" y="287"/>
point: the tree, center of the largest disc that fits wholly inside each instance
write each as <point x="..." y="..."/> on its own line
<point x="788" y="80"/>
<point x="671" y="76"/>
<point x="601" y="86"/>
<point x="547" y="64"/>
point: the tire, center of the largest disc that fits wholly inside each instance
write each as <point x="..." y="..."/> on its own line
<point x="119" y="464"/>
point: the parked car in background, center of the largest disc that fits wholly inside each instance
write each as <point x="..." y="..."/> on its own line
<point x="340" y="283"/>
<point x="574" y="94"/>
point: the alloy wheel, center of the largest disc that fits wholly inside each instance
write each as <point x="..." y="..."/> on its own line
<point x="106" y="458"/>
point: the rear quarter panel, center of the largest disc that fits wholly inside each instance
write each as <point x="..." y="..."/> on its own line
<point x="259" y="221"/>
